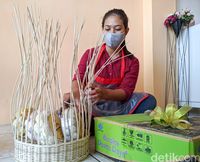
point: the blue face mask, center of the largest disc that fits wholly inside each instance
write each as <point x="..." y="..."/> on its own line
<point x="113" y="39"/>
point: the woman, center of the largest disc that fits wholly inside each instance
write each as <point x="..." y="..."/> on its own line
<point x="112" y="91"/>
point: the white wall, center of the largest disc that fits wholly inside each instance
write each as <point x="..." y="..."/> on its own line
<point x="194" y="97"/>
<point x="193" y="5"/>
<point x="189" y="79"/>
<point x="65" y="11"/>
<point x="160" y="10"/>
<point x="149" y="48"/>
<point x="154" y="44"/>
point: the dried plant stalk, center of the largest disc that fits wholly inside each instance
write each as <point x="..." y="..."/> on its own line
<point x="38" y="115"/>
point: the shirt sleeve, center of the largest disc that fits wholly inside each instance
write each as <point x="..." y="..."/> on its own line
<point x="82" y="65"/>
<point x="130" y="78"/>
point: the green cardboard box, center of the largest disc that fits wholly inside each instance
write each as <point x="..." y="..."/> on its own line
<point x="133" y="138"/>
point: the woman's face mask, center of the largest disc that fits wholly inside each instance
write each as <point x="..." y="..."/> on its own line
<point x="113" y="40"/>
<point x="114" y="31"/>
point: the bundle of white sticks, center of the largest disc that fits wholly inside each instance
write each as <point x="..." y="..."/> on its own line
<point x="38" y="114"/>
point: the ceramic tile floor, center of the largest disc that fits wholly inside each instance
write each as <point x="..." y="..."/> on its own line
<point x="7" y="148"/>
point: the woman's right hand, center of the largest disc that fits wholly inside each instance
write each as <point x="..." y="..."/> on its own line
<point x="66" y="100"/>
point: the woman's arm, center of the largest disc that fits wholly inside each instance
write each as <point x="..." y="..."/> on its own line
<point x="76" y="94"/>
<point x="82" y="69"/>
<point x="98" y="93"/>
<point x="75" y="90"/>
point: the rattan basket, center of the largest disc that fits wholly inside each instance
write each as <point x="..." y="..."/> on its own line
<point x="44" y="129"/>
<point x="71" y="151"/>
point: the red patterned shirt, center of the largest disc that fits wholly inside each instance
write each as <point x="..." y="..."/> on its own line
<point x="113" y="70"/>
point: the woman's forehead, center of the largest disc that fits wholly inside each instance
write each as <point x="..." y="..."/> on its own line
<point x="113" y="20"/>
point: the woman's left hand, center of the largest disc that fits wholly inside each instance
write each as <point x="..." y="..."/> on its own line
<point x="96" y="93"/>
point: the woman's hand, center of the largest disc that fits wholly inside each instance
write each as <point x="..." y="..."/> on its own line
<point x="76" y="94"/>
<point x="96" y="93"/>
<point x="66" y="100"/>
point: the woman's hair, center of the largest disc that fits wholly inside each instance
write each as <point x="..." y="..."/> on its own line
<point x="122" y="15"/>
<point x="118" y="12"/>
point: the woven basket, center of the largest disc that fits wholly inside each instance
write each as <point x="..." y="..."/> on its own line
<point x="64" y="152"/>
<point x="38" y="113"/>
